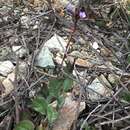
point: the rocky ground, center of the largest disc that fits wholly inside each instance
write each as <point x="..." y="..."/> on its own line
<point x="64" y="65"/>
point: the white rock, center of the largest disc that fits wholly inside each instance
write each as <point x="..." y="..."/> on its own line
<point x="35" y="27"/>
<point x="8" y="84"/>
<point x="95" y="45"/>
<point x="5" y="18"/>
<point x="32" y="93"/>
<point x="113" y="78"/>
<point x="56" y="42"/>
<point x="8" y="87"/>
<point x="19" y="51"/>
<point x="11" y="76"/>
<point x="44" y="58"/>
<point x="6" y="67"/>
<point x="119" y="54"/>
<point x="96" y="90"/>
<point x="24" y="19"/>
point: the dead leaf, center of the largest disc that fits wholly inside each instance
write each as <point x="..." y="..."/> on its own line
<point x="83" y="63"/>
<point x="67" y="114"/>
<point x="8" y="84"/>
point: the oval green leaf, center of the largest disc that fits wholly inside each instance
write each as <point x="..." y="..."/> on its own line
<point x="39" y="104"/>
<point x="67" y="84"/>
<point x="55" y="86"/>
<point x="25" y="125"/>
<point x="51" y="114"/>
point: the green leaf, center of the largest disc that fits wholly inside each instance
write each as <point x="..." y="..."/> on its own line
<point x="87" y="128"/>
<point x="126" y="96"/>
<point x="60" y="101"/>
<point x="67" y="84"/>
<point x="55" y="87"/>
<point x="39" y="104"/>
<point x="25" y="125"/>
<point x="128" y="6"/>
<point x="51" y="114"/>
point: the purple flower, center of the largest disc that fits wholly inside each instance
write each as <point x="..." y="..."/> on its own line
<point x="82" y="14"/>
<point x="70" y="8"/>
